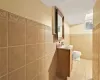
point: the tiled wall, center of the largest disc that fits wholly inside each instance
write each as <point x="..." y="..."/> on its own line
<point x="83" y="43"/>
<point x="96" y="41"/>
<point x="27" y="51"/>
<point x="96" y="53"/>
<point x="81" y="39"/>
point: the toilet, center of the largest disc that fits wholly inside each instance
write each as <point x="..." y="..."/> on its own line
<point x="76" y="55"/>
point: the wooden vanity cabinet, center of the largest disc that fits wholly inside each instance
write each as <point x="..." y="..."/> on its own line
<point x="65" y="62"/>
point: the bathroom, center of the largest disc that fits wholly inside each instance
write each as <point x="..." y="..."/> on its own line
<point x="27" y="47"/>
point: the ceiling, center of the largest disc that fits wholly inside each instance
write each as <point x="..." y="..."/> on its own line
<point x="73" y="10"/>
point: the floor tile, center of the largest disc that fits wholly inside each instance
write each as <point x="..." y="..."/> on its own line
<point x="82" y="70"/>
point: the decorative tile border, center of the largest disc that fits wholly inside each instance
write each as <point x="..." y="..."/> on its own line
<point x="31" y="22"/>
<point x="16" y="18"/>
<point x="3" y="14"/>
<point x="13" y="17"/>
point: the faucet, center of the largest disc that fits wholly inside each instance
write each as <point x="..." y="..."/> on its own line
<point x="62" y="43"/>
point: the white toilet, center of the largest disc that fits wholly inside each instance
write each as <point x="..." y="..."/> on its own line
<point x="76" y="55"/>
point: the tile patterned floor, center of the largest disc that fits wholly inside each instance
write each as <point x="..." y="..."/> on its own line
<point x="82" y="70"/>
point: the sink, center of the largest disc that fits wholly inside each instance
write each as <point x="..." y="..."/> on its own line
<point x="67" y="46"/>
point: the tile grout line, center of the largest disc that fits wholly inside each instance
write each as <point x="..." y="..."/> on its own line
<point x="37" y="59"/>
<point x="21" y="45"/>
<point x="31" y="62"/>
<point x="44" y="56"/>
<point x="2" y="47"/>
<point x="36" y="54"/>
<point x="16" y="69"/>
<point x="35" y="77"/>
<point x="25" y="48"/>
<point x="7" y="48"/>
<point x="26" y="44"/>
<point x="4" y="75"/>
<point x="12" y="71"/>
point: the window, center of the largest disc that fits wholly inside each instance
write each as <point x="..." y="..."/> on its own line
<point x="89" y="25"/>
<point x="89" y="20"/>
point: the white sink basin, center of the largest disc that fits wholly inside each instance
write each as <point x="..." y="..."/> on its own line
<point x="67" y="47"/>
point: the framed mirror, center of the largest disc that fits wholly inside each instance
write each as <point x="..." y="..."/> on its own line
<point x="58" y="24"/>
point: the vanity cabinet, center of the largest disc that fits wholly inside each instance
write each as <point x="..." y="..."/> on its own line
<point x="65" y="62"/>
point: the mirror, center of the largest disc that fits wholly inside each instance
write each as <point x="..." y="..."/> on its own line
<point x="58" y="24"/>
<point x="59" y="27"/>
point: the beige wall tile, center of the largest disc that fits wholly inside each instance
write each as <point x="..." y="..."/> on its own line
<point x="3" y="14"/>
<point x="28" y="41"/>
<point x="46" y="63"/>
<point x="30" y="53"/>
<point x="96" y="52"/>
<point x="16" y="57"/>
<point x="40" y="26"/>
<point x="16" y="30"/>
<point x="86" y="41"/>
<point x="52" y="64"/>
<point x="31" y="71"/>
<point x="3" y="28"/>
<point x="40" y="50"/>
<point x="4" y="78"/>
<point x="48" y="36"/>
<point x="3" y="61"/>
<point x="31" y="23"/>
<point x="40" y="77"/>
<point x="35" y="78"/>
<point x="49" y="48"/>
<point x="40" y="36"/>
<point x="31" y="33"/>
<point x="41" y="66"/>
<point x="46" y="75"/>
<point x="17" y="75"/>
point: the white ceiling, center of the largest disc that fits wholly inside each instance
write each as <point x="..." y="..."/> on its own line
<point x="73" y="10"/>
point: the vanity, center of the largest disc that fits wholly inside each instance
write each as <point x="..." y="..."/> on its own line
<point x="64" y="53"/>
<point x="65" y="61"/>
